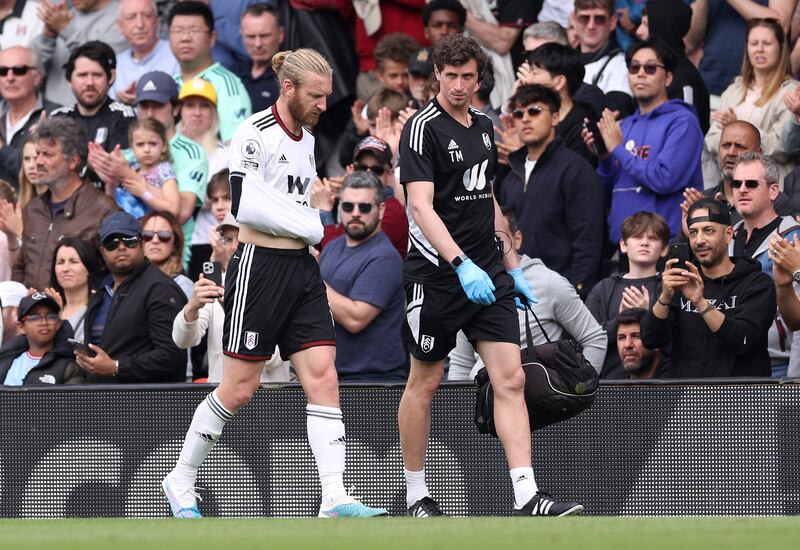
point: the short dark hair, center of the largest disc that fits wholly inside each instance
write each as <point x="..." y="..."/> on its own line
<point x="192" y="7"/>
<point x="640" y="223"/>
<point x="397" y="47"/>
<point x="663" y="54"/>
<point x="607" y="5"/>
<point x="260" y="8"/>
<point x="512" y="220"/>
<point x="560" y="60"/>
<point x="487" y="83"/>
<point x="531" y="93"/>
<point x="449" y="5"/>
<point x="363" y="179"/>
<point x="99" y="52"/>
<point x="631" y="316"/>
<point x="456" y="50"/>
<point x="87" y="252"/>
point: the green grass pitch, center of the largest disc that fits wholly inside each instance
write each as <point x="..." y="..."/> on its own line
<point x="482" y="533"/>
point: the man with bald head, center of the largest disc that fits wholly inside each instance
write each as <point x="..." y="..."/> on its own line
<point x="21" y="105"/>
<point x="736" y="138"/>
<point x="138" y="23"/>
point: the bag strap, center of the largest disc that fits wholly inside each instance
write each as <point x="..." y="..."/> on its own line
<point x="530" y="352"/>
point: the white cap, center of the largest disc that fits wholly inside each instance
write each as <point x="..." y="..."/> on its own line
<point x="11" y="292"/>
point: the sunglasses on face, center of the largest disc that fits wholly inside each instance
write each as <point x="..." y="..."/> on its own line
<point x="112" y="244"/>
<point x="598" y="19"/>
<point x="18" y="70"/>
<point x="36" y="318"/>
<point x="649" y="68"/>
<point x="363" y="207"/>
<point x="163" y="236"/>
<point x="532" y="112"/>
<point x="378" y="170"/>
<point x="750" y="184"/>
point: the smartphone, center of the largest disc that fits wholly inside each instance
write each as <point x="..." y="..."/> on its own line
<point x="599" y="146"/>
<point x="81" y="346"/>
<point x="213" y="272"/>
<point x="680" y="252"/>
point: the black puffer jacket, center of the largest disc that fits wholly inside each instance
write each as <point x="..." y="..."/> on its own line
<point x="58" y="365"/>
<point x="138" y="328"/>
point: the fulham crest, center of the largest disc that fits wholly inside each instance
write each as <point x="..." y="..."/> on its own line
<point x="250" y="339"/>
<point x="426" y="343"/>
<point x="487" y="141"/>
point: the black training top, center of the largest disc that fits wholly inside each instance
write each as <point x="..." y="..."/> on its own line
<point x="461" y="163"/>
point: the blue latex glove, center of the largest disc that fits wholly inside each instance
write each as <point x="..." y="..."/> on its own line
<point x="476" y="283"/>
<point x="521" y="287"/>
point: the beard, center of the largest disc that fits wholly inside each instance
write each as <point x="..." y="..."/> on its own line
<point x="643" y="364"/>
<point x="714" y="258"/>
<point x="359" y="232"/>
<point x="308" y="118"/>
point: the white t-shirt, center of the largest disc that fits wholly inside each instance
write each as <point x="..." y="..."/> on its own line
<point x="272" y="172"/>
<point x="529" y="166"/>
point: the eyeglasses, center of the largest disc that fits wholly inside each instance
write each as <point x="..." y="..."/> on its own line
<point x="36" y="318"/>
<point x="112" y="244"/>
<point x="193" y="31"/>
<point x="649" y="68"/>
<point x="750" y="184"/>
<point x="163" y="236"/>
<point x="18" y="70"/>
<point x="532" y="112"/>
<point x="598" y="19"/>
<point x="363" y="207"/>
<point x="378" y="169"/>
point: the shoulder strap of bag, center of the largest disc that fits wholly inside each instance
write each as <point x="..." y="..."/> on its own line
<point x="530" y="351"/>
<point x="611" y="55"/>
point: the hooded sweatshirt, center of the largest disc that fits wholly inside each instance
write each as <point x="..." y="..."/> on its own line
<point x="669" y="22"/>
<point x="746" y="296"/>
<point x="658" y="158"/>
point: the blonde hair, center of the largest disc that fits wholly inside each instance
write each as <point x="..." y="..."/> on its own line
<point x="295" y="65"/>
<point x="780" y="73"/>
<point x="27" y="190"/>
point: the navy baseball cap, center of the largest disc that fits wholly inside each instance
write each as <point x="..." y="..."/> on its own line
<point x="421" y="63"/>
<point x="36" y="299"/>
<point x="120" y="223"/>
<point x="156" y="86"/>
<point x="377" y="147"/>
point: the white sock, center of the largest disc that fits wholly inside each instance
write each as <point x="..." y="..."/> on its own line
<point x="206" y="427"/>
<point x="416" y="488"/>
<point x="328" y="443"/>
<point x="524" y="485"/>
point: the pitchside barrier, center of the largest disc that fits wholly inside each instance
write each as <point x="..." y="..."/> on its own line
<point x="687" y="448"/>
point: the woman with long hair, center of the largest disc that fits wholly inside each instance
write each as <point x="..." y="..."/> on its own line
<point x="74" y="261"/>
<point x="28" y="186"/>
<point x="162" y="240"/>
<point x="756" y="96"/>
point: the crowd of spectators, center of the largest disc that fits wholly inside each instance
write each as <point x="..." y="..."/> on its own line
<point x="648" y="175"/>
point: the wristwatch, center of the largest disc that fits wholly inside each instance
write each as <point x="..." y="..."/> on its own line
<point x="458" y="260"/>
<point x="796" y="276"/>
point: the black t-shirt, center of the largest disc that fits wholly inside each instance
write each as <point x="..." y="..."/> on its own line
<point x="461" y="163"/>
<point x="742" y="246"/>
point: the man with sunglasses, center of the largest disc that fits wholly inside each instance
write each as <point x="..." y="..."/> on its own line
<point x="363" y="276"/>
<point x="756" y="185"/>
<point x="457" y="279"/>
<point x="595" y="21"/>
<point x="21" y="106"/>
<point x="650" y="158"/>
<point x="131" y="292"/>
<point x="715" y="314"/>
<point x="69" y="207"/>
<point x="40" y="355"/>
<point x="375" y="155"/>
<point x="553" y="192"/>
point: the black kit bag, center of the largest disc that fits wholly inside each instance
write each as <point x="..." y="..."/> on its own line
<point x="559" y="383"/>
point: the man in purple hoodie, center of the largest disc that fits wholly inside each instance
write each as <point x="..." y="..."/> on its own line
<point x="651" y="157"/>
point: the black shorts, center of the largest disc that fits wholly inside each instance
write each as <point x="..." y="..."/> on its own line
<point x="436" y="313"/>
<point x="274" y="297"/>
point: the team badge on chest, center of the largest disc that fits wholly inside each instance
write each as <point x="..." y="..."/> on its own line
<point x="487" y="141"/>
